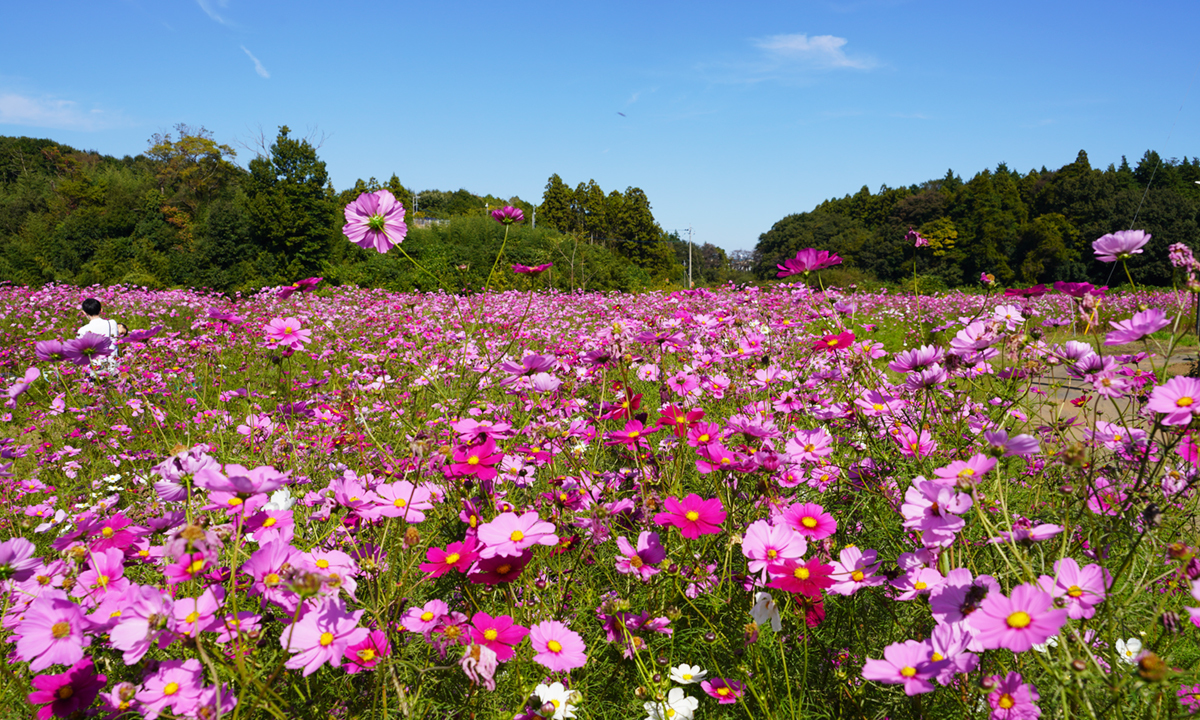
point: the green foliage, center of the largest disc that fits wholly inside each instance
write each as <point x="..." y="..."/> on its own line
<point x="1024" y="229"/>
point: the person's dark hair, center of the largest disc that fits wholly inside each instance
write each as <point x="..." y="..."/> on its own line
<point x="122" y="331"/>
<point x="91" y="306"/>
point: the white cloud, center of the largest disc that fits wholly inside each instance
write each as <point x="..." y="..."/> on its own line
<point x="821" y="50"/>
<point x="207" y="7"/>
<point x="48" y="112"/>
<point x="258" y="66"/>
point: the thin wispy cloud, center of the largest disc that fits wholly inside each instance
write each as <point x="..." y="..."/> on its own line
<point x="818" y="50"/>
<point x="48" y="112"/>
<point x="258" y="66"/>
<point x="207" y="7"/>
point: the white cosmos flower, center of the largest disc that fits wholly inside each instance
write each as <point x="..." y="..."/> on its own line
<point x="558" y="696"/>
<point x="765" y="609"/>
<point x="676" y="707"/>
<point x="1129" y="649"/>
<point x="687" y="674"/>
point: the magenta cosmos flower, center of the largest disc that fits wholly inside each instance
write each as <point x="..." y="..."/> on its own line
<point x="1178" y="399"/>
<point x="725" y="691"/>
<point x="375" y="221"/>
<point x="535" y="270"/>
<point x="83" y="350"/>
<point x="557" y="646"/>
<point x="806" y="261"/>
<point x="694" y="516"/>
<point x="322" y="636"/>
<point x="807" y="578"/>
<point x="509" y="534"/>
<point x="1120" y="245"/>
<point x="70" y="692"/>
<point x="457" y="556"/>
<point x="1018" y="622"/>
<point x="499" y="634"/>
<point x="508" y="215"/>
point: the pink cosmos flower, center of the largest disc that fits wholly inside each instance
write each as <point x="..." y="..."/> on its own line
<point x="288" y="333"/>
<point x="1080" y="588"/>
<point x="916" y="239"/>
<point x="1140" y="326"/>
<point x="17" y="560"/>
<point x="509" y="534"/>
<point x="694" y="516"/>
<point x="808" y="260"/>
<point x="835" y="342"/>
<point x="725" y="691"/>
<point x="906" y="664"/>
<point x="508" y="215"/>
<point x="1018" y="622"/>
<point x="499" y="634"/>
<point x="557" y="647"/>
<point x="1120" y="245"/>
<point x="146" y="620"/>
<point x="810" y="520"/>
<point x="457" y="556"/>
<point x="641" y="560"/>
<point x="322" y="636"/>
<point x="478" y="460"/>
<point x="854" y="570"/>
<point x="402" y="499"/>
<point x="176" y="684"/>
<point x="633" y="435"/>
<point x="495" y="570"/>
<point x="375" y="221"/>
<point x="19" y="387"/>
<point x="51" y="632"/>
<point x="1011" y="699"/>
<point x="807" y="578"/>
<point x="965" y="472"/>
<point x="934" y="509"/>
<point x="1178" y="399"/>
<point x="764" y="544"/>
<point x="68" y="693"/>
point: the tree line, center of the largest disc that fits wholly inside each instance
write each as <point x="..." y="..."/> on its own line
<point x="1024" y="229"/>
<point x="183" y="213"/>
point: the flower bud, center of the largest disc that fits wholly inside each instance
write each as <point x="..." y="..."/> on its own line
<point x="987" y="683"/>
<point x="657" y="678"/>
<point x="1170" y="622"/>
<point x="1151" y="668"/>
<point x="662" y="660"/>
<point x="710" y="637"/>
<point x="411" y="537"/>
<point x="1078" y="665"/>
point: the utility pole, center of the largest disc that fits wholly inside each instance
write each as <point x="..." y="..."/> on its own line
<point x="690" y="283"/>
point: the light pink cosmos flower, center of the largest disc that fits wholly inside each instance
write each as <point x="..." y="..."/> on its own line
<point x="17" y="560"/>
<point x="375" y="221"/>
<point x="147" y="620"/>
<point x="1018" y="622"/>
<point x="51" y="632"/>
<point x="288" y="333"/>
<point x="906" y="664"/>
<point x="965" y="472"/>
<point x="509" y="534"/>
<point x="322" y="636"/>
<point x="1178" y="399"/>
<point x="949" y="643"/>
<point x="402" y="499"/>
<point x="809" y="445"/>
<point x="557" y="647"/>
<point x="424" y="619"/>
<point x="694" y="516"/>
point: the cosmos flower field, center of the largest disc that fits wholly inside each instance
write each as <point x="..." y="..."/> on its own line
<point x="772" y="502"/>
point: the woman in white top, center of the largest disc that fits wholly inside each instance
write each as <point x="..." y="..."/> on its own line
<point x="100" y="326"/>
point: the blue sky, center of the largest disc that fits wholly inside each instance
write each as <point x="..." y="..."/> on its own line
<point x="735" y="114"/>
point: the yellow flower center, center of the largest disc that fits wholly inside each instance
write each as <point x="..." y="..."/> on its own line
<point x="1074" y="591"/>
<point x="473" y="460"/>
<point x="65" y="692"/>
<point x="366" y="654"/>
<point x="908" y="671"/>
<point x="857" y="576"/>
<point x="966" y="472"/>
<point x="634" y="434"/>
<point x="426" y="616"/>
<point x="703" y="438"/>
<point x="60" y="630"/>
<point x="920" y="585"/>
<point x="102" y="581"/>
<point x="554" y="646"/>
<point x="937" y="657"/>
<point x="192" y="617"/>
<point x="195" y="567"/>
<point x="517" y="536"/>
<point x="490" y="634"/>
<point x="235" y="501"/>
<point x="107" y="532"/>
<point x="400" y="502"/>
<point x="452" y="558"/>
<point x="1019" y="619"/>
<point x="1006" y="701"/>
<point x="692" y="515"/>
<point x="269" y="522"/>
<point x="877" y="407"/>
<point x="271" y="580"/>
<point x="809" y="522"/>
<point x="722" y="691"/>
<point x="801" y="573"/>
<point x="326" y="639"/>
<point x="772" y="554"/>
<point x="323" y="563"/>
<point x="171" y="689"/>
<point x="686" y="676"/>
<point x="1183" y="402"/>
